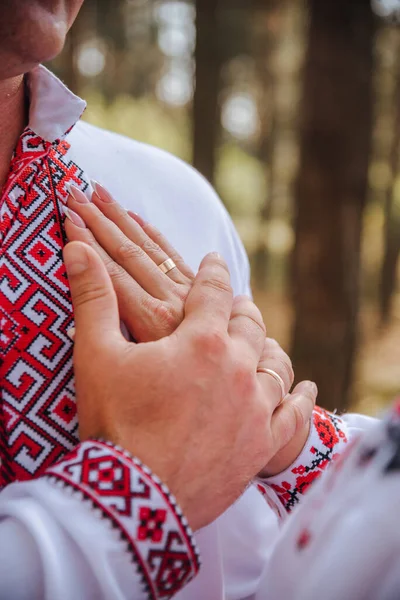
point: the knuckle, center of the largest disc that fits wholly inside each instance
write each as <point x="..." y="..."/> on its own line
<point x="89" y="293"/>
<point x="166" y="318"/>
<point x="127" y="250"/>
<point x="218" y="285"/>
<point x="182" y="292"/>
<point x="244" y="381"/>
<point x="283" y="365"/>
<point x="154" y="233"/>
<point x="115" y="271"/>
<point x="244" y="305"/>
<point x="150" y="246"/>
<point x="258" y="322"/>
<point x="272" y="344"/>
<point x="212" y="344"/>
<point x="287" y="366"/>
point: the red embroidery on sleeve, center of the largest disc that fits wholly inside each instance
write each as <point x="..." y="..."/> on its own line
<point x="140" y="507"/>
<point x="326" y="442"/>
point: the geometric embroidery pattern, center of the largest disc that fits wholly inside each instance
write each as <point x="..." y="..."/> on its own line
<point x="38" y="421"/>
<point x="140" y="507"/>
<point x="327" y="438"/>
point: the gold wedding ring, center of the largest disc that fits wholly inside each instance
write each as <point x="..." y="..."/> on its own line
<point x="167" y="265"/>
<point x="277" y="378"/>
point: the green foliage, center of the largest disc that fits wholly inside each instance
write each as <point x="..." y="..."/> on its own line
<point x="143" y="119"/>
<point x="240" y="181"/>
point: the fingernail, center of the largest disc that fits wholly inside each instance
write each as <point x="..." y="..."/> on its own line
<point x="77" y="194"/>
<point x="71" y="333"/>
<point x="312" y="387"/>
<point x="75" y="258"/>
<point x="137" y="218"/>
<point x="215" y="255"/>
<point x="74" y="217"/>
<point x="101" y="191"/>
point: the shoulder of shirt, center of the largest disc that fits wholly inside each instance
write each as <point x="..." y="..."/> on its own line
<point x="163" y="190"/>
<point x="103" y="154"/>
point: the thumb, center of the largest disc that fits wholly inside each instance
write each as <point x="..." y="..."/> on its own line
<point x="93" y="296"/>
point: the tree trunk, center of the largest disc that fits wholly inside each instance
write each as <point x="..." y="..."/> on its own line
<point x="206" y="110"/>
<point x="266" y="40"/>
<point x="392" y="219"/>
<point x="331" y="191"/>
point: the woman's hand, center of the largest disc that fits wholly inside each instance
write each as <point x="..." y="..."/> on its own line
<point x="151" y="303"/>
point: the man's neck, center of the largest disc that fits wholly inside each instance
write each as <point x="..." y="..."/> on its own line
<point x="13" y="118"/>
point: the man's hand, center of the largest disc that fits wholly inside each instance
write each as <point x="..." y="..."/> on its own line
<point x="293" y="427"/>
<point x="191" y="406"/>
<point x="306" y="391"/>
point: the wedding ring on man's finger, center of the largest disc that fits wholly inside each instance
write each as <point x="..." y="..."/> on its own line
<point x="277" y="378"/>
<point x="167" y="265"/>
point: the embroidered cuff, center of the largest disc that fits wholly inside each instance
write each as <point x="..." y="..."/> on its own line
<point x="140" y="506"/>
<point x="327" y="440"/>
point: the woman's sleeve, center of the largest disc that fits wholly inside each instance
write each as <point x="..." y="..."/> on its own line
<point x="328" y="438"/>
<point x="98" y="524"/>
<point x="343" y="540"/>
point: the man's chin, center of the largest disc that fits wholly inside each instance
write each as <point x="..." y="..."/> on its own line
<point x="38" y="35"/>
<point x="42" y="38"/>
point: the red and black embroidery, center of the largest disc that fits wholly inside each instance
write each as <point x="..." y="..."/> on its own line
<point x="37" y="413"/>
<point x="142" y="510"/>
<point x="328" y="435"/>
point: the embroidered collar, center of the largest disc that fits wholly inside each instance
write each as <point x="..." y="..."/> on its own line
<point x="53" y="108"/>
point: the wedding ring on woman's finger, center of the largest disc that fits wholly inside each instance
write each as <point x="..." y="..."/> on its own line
<point x="277" y="378"/>
<point x="167" y="265"/>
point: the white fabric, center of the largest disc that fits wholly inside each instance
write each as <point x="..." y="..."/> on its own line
<point x="54" y="547"/>
<point x="350" y="518"/>
<point x="53" y="108"/>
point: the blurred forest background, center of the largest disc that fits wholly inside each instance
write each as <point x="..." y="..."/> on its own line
<point x="292" y="110"/>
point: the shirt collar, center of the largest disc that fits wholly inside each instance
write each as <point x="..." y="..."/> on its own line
<point x="53" y="108"/>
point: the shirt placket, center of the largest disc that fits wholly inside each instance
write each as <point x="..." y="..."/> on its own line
<point x="37" y="407"/>
<point x="22" y="170"/>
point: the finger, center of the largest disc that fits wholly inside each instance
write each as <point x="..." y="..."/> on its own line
<point x="209" y="303"/>
<point x="93" y="296"/>
<point x="293" y="414"/>
<point x="307" y="388"/>
<point x="274" y="350"/>
<point x="276" y="359"/>
<point x="162" y="241"/>
<point x="120" y="248"/>
<point x="246" y="325"/>
<point x="118" y="215"/>
<point x="136" y="306"/>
